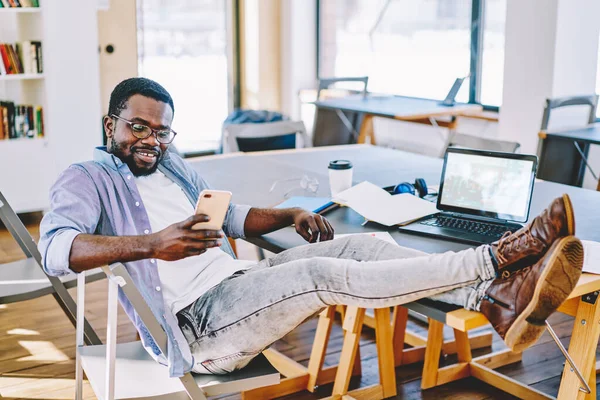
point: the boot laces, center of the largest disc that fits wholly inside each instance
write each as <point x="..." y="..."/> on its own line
<point x="509" y="242"/>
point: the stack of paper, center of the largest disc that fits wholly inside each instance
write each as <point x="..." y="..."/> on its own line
<point x="591" y="256"/>
<point x="379" y="235"/>
<point x="377" y="205"/>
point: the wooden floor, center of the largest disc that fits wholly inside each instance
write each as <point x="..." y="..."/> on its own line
<point x="37" y="348"/>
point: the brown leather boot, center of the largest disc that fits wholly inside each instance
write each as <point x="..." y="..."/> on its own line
<point x="527" y="245"/>
<point x="518" y="305"/>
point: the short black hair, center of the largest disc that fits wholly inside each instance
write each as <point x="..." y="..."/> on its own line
<point x="132" y="86"/>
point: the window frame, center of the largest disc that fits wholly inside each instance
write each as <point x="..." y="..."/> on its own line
<point x="476" y="53"/>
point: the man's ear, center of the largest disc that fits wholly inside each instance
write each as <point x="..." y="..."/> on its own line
<point x="109" y="126"/>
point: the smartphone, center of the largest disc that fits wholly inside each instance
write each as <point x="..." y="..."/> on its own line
<point x="213" y="203"/>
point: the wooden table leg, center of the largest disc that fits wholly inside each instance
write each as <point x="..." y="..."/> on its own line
<point x="582" y="347"/>
<point x="352" y="327"/>
<point x="435" y="338"/>
<point x="366" y="130"/>
<point x="317" y="355"/>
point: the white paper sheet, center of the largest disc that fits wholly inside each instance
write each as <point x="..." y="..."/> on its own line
<point x="375" y="204"/>
<point x="380" y="235"/>
<point x="591" y="256"/>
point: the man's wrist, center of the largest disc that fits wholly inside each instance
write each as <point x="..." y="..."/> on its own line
<point x="149" y="246"/>
<point x="293" y="213"/>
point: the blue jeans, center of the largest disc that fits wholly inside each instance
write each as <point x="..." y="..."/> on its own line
<point x="243" y="315"/>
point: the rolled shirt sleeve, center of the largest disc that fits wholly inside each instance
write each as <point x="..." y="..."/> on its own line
<point x="235" y="220"/>
<point x="74" y="209"/>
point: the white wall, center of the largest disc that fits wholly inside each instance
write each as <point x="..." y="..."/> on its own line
<point x="71" y="65"/>
<point x="551" y="50"/>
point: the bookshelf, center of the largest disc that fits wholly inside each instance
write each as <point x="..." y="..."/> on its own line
<point x="23" y="10"/>
<point x="67" y="90"/>
<point x="20" y="77"/>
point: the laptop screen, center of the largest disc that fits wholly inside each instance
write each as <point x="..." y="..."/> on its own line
<point x="489" y="184"/>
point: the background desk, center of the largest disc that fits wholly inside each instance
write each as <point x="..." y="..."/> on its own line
<point x="559" y="159"/>
<point x="250" y="176"/>
<point x="394" y="107"/>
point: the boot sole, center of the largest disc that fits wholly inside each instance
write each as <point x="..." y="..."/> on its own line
<point x="569" y="213"/>
<point x="554" y="286"/>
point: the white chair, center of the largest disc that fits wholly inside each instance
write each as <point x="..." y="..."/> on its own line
<point x="25" y="279"/>
<point x="480" y="143"/>
<point x="265" y="136"/>
<point x="137" y="374"/>
<point x="333" y="127"/>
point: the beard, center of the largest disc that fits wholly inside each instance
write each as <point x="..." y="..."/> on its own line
<point x="119" y="151"/>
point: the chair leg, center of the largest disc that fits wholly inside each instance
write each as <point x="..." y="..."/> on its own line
<point x="317" y="356"/>
<point x="385" y="352"/>
<point x="79" y="335"/>
<point x="592" y="385"/>
<point x="352" y="326"/>
<point x="463" y="346"/>
<point x="586" y="388"/>
<point x="233" y="246"/>
<point x="399" y="318"/>
<point x="357" y="365"/>
<point x="435" y="339"/>
<point x="366" y="130"/>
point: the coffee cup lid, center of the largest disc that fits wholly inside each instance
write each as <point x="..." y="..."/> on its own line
<point x="340" y="164"/>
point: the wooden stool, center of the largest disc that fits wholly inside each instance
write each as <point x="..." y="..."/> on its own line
<point x="299" y="377"/>
<point x="402" y="335"/>
<point x="352" y="326"/>
<point x="482" y="367"/>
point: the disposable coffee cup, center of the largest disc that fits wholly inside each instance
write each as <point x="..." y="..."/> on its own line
<point x="340" y="176"/>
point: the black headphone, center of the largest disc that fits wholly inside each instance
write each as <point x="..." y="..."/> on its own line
<point x="419" y="187"/>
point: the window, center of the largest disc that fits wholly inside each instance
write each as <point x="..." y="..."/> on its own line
<point x="183" y="45"/>
<point x="598" y="81"/>
<point x="492" y="70"/>
<point x="415" y="47"/>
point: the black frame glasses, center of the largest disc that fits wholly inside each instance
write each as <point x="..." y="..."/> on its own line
<point x="142" y="131"/>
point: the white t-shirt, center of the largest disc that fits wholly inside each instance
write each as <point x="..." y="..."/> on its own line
<point x="183" y="281"/>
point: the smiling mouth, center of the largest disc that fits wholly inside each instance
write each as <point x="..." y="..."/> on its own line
<point x="148" y="157"/>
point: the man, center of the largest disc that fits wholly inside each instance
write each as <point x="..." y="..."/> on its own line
<point x="134" y="204"/>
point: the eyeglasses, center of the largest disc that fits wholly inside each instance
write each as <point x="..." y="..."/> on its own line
<point x="164" y="136"/>
<point x="307" y="184"/>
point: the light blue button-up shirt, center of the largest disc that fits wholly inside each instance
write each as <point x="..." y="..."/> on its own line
<point x="101" y="197"/>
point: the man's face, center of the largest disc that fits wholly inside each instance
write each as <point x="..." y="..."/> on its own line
<point x="141" y="155"/>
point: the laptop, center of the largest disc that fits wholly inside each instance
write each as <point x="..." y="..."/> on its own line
<point x="482" y="195"/>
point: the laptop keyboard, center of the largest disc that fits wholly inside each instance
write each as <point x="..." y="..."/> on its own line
<point x="467" y="225"/>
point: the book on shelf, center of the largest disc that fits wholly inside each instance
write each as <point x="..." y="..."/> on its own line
<point x="19" y="3"/>
<point x="21" y="58"/>
<point x="20" y="121"/>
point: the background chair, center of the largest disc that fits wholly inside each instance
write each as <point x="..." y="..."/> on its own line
<point x="590" y="101"/>
<point x="332" y="127"/>
<point x="251" y="137"/>
<point x="126" y="370"/>
<point x="558" y="158"/>
<point x="26" y="279"/>
<point x="479" y="143"/>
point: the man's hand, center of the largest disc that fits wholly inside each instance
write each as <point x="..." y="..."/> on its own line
<point x="179" y="240"/>
<point x="312" y="226"/>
